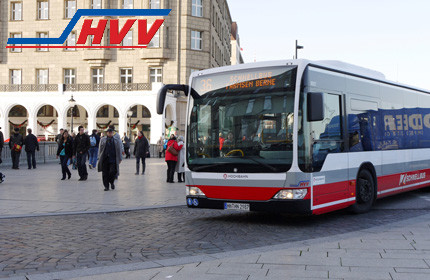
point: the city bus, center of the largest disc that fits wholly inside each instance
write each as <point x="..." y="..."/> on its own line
<point x="299" y="136"/>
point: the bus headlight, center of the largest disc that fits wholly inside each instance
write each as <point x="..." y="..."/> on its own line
<point x="291" y="194"/>
<point x="194" y="191"/>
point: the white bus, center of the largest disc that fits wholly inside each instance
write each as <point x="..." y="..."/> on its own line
<point x="301" y="136"/>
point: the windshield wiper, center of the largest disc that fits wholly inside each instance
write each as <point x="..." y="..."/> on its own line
<point x="209" y="165"/>
<point x="260" y="163"/>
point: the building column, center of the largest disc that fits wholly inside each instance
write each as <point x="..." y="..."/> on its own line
<point x="122" y="125"/>
<point x="32" y="122"/>
<point x="4" y="124"/>
<point x="62" y="122"/>
<point x="91" y="123"/>
<point x="157" y="127"/>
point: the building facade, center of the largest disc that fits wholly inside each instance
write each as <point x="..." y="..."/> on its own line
<point x="236" y="50"/>
<point x="110" y="86"/>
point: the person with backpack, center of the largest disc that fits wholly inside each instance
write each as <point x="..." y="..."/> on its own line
<point x="94" y="149"/>
<point x="172" y="157"/>
<point x="15" y="144"/>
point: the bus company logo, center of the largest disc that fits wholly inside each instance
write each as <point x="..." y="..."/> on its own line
<point x="235" y="176"/>
<point x="116" y="34"/>
<point x="405" y="178"/>
<point x="301" y="184"/>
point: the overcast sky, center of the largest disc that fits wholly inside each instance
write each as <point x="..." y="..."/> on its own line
<point x="390" y="36"/>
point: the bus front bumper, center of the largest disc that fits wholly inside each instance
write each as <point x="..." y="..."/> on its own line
<point x="274" y="206"/>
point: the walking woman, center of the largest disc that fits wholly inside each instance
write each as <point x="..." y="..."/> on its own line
<point x="172" y="157"/>
<point x="65" y="151"/>
<point x="180" y="165"/>
<point x="140" y="151"/>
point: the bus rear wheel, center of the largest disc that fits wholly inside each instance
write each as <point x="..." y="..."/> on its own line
<point x="364" y="192"/>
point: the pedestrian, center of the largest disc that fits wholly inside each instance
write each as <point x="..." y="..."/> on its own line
<point x="94" y="149"/>
<point x="160" y="144"/>
<point x="81" y="145"/>
<point x="180" y="166"/>
<point x="116" y="135"/>
<point x="126" y="142"/>
<point x="172" y="157"/>
<point x="31" y="145"/>
<point x="59" y="136"/>
<point x="1" y="145"/>
<point x="15" y="144"/>
<point x="140" y="151"/>
<point x="109" y="159"/>
<point x="73" y="159"/>
<point x="65" y="152"/>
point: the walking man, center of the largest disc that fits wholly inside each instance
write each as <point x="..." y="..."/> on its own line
<point x="126" y="142"/>
<point x="160" y="146"/>
<point x="109" y="159"/>
<point x="140" y="151"/>
<point x="15" y="145"/>
<point x="1" y="145"/>
<point x="81" y="145"/>
<point x="31" y="145"/>
<point x="94" y="149"/>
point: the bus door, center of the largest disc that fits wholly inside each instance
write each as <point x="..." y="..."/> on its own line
<point x="330" y="161"/>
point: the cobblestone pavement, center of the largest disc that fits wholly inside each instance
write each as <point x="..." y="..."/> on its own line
<point x="40" y="191"/>
<point x="57" y="243"/>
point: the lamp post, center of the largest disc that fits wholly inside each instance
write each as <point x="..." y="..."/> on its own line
<point x="72" y="103"/>
<point x="129" y="114"/>
<point x="298" y="47"/>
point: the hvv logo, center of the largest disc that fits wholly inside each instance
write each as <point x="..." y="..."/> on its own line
<point x="116" y="35"/>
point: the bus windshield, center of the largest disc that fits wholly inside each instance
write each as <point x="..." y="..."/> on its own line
<point x="242" y="121"/>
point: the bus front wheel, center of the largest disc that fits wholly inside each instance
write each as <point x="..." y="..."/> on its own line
<point x="364" y="193"/>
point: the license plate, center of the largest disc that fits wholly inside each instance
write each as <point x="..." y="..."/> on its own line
<point x="236" y="206"/>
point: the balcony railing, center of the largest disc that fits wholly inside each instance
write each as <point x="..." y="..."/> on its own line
<point x="29" y="87"/>
<point x="77" y="87"/>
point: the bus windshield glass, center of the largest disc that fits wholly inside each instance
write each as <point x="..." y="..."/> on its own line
<point x="242" y="122"/>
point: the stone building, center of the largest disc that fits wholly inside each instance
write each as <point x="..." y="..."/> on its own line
<point x="111" y="86"/>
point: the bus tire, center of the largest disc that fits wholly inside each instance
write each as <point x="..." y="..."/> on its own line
<point x="364" y="192"/>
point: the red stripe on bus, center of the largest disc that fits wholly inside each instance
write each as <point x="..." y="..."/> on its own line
<point x="239" y="193"/>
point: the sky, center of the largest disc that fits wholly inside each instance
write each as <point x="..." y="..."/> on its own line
<point x="390" y="36"/>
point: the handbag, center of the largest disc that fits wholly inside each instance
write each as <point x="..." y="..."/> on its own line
<point x="172" y="150"/>
<point x="17" y="148"/>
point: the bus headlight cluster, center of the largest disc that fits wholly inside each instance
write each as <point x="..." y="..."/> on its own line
<point x="194" y="191"/>
<point x="291" y="194"/>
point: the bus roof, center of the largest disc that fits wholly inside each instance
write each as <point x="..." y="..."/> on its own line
<point x="333" y="65"/>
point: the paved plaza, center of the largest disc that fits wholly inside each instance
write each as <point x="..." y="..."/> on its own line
<point x="52" y="229"/>
<point x="40" y="191"/>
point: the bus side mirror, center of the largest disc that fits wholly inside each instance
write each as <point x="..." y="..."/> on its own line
<point x="315" y="106"/>
<point x="161" y="97"/>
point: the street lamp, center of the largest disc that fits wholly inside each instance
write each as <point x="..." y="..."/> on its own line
<point x="298" y="47"/>
<point x="129" y="114"/>
<point x="72" y="103"/>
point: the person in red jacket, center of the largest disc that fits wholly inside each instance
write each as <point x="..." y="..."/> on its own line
<point x="172" y="157"/>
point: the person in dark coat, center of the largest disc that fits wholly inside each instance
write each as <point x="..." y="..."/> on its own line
<point x="81" y="145"/>
<point x="31" y="145"/>
<point x="1" y="145"/>
<point x="126" y="142"/>
<point x="65" y="152"/>
<point x="15" y="144"/>
<point x="110" y="156"/>
<point x="172" y="159"/>
<point x="140" y="151"/>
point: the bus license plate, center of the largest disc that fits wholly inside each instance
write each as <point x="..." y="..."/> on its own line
<point x="236" y="206"/>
